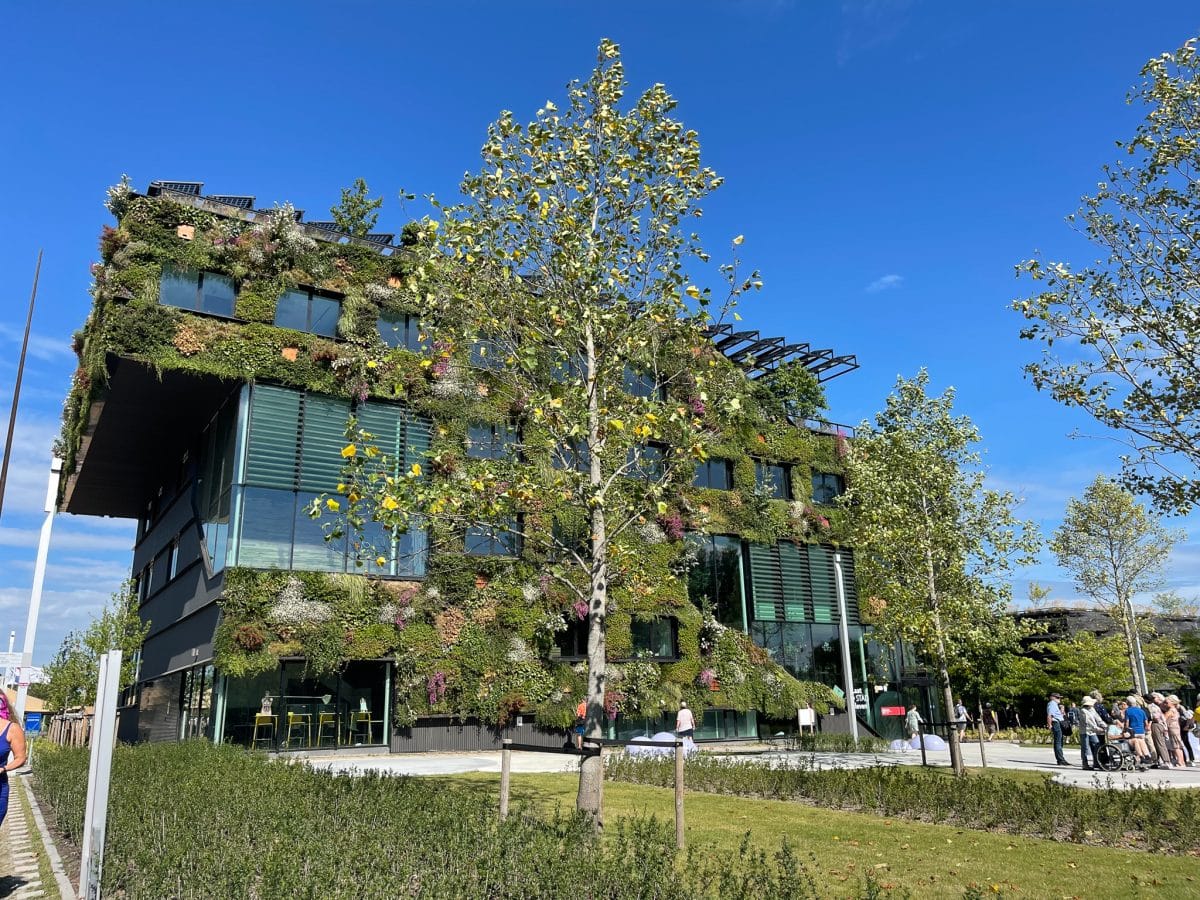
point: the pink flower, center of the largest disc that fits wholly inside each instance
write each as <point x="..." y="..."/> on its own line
<point x="581" y="609"/>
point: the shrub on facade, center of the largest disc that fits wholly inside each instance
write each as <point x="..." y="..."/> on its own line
<point x="1113" y="815"/>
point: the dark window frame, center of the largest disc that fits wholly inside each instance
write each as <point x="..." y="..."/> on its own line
<point x="496" y="542"/>
<point x="824" y="493"/>
<point x="500" y="444"/>
<point x="762" y="467"/>
<point x="672" y="624"/>
<point x="310" y="295"/>
<point x="706" y="467"/>
<point x="198" y="306"/>
<point x="402" y="331"/>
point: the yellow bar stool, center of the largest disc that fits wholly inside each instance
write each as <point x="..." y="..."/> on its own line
<point x="303" y="721"/>
<point x="264" y="729"/>
<point x="327" y="720"/>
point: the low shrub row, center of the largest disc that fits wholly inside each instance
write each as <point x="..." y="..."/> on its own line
<point x="195" y="821"/>
<point x="1141" y="817"/>
<point x="825" y="742"/>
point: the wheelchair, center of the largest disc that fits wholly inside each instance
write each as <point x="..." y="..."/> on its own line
<point x="1116" y="756"/>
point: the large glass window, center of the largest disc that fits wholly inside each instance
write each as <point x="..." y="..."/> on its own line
<point x="486" y="353"/>
<point x="306" y="310"/>
<point x="716" y="583"/>
<point x="827" y="487"/>
<point x="491" y="441"/>
<point x="293" y="455"/>
<point x="205" y="292"/>
<point x="195" y="703"/>
<point x="402" y="331"/>
<point x="640" y="383"/>
<point x="773" y="480"/>
<point x="654" y="638"/>
<point x="501" y="539"/>
<point x="572" y="641"/>
<point x="646" y="462"/>
<point x="714" y="473"/>
<point x="571" y="455"/>
<point x="214" y="485"/>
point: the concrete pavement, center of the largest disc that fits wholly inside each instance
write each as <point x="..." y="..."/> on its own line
<point x="1000" y="755"/>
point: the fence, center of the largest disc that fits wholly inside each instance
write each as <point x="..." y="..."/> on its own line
<point x="596" y="750"/>
<point x="69" y="729"/>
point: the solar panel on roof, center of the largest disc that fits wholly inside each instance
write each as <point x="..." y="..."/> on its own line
<point x="379" y="238"/>
<point x="191" y="188"/>
<point x="327" y="226"/>
<point x="238" y="200"/>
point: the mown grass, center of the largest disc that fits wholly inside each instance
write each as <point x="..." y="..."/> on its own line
<point x="926" y="860"/>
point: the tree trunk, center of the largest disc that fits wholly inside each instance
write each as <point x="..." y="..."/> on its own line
<point x="591" y="768"/>
<point x="956" y="760"/>
<point x="1127" y="627"/>
<point x="979" y="732"/>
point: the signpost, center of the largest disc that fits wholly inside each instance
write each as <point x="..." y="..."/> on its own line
<point x="95" y="816"/>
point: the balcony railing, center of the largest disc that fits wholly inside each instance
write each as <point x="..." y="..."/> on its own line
<point x="834" y="429"/>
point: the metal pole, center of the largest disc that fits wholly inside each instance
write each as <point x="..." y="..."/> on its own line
<point x="39" y="579"/>
<point x="979" y="730"/>
<point x="679" y="794"/>
<point x="1139" y="659"/>
<point x="847" y="671"/>
<point x="95" y="817"/>
<point x="505" y="775"/>
<point x="12" y="416"/>
<point x="921" y="738"/>
<point x="12" y="639"/>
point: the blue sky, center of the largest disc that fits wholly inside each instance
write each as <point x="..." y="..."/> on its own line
<point x="888" y="162"/>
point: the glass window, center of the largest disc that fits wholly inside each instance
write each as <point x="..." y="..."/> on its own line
<point x="714" y="473"/>
<point x="195" y="703"/>
<point x="291" y="310"/>
<point x="572" y="642"/>
<point x="310" y="551"/>
<point x="266" y="526"/>
<point x="216" y="294"/>
<point x="654" y="638"/>
<point x="638" y="383"/>
<point x="490" y="441"/>
<point x="173" y="561"/>
<point x="179" y="287"/>
<point x="493" y="540"/>
<point x="486" y="353"/>
<point x="404" y="331"/>
<point x="646" y="462"/>
<point x="715" y="583"/>
<point x="571" y="455"/>
<point x="827" y="487"/>
<point x="773" y="479"/>
<point x="303" y="310"/>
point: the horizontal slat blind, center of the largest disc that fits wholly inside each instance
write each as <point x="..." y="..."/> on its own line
<point x="766" y="584"/>
<point x="401" y="436"/>
<point x="273" y="444"/>
<point x="793" y="567"/>
<point x="324" y="437"/>
<point x="796" y="583"/>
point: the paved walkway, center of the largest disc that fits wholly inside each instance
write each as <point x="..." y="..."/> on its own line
<point x="1000" y="755"/>
<point x="18" y="863"/>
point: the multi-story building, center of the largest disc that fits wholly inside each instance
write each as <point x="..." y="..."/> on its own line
<point x="227" y="349"/>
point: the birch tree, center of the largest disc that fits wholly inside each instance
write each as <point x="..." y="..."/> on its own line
<point x="934" y="543"/>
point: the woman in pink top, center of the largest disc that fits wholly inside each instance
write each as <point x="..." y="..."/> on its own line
<point x="1174" y="737"/>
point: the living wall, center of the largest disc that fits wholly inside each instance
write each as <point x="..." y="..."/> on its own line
<point x="476" y="636"/>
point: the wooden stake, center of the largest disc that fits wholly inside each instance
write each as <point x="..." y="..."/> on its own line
<point x="505" y="775"/>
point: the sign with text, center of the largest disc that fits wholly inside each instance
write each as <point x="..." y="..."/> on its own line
<point x="892" y="710"/>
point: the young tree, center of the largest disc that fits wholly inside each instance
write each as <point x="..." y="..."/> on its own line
<point x="357" y="213"/>
<point x="1114" y="550"/>
<point x="563" y="272"/>
<point x="73" y="672"/>
<point x="1130" y="323"/>
<point x="1085" y="663"/>
<point x="934" y="543"/>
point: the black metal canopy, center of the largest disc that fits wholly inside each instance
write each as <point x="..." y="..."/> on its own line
<point x="759" y="355"/>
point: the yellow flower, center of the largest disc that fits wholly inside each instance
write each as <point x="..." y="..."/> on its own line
<point x="332" y="505"/>
<point x="381" y="561"/>
<point x="349" y="450"/>
<point x="389" y="503"/>
<point x="415" y="471"/>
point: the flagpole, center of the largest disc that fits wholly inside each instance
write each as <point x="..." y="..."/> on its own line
<point x="12" y="416"/>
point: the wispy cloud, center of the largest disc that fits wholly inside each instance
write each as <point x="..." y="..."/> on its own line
<point x="870" y="24"/>
<point x="40" y="347"/>
<point x="885" y="283"/>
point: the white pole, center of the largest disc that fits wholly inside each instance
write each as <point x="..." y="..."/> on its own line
<point x="39" y="579"/>
<point x="847" y="671"/>
<point x="95" y="816"/>
<point x="12" y="639"/>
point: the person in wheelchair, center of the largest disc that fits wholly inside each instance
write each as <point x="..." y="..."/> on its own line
<point x="1117" y="752"/>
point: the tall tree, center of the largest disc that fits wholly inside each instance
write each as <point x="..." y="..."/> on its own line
<point x="935" y="543"/>
<point x="72" y="673"/>
<point x="563" y="272"/>
<point x="1114" y="550"/>
<point x="1121" y="337"/>
<point x="357" y="212"/>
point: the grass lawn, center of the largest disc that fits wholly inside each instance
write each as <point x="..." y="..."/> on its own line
<point x="841" y="847"/>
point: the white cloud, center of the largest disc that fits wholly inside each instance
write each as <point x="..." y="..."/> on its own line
<point x="50" y="349"/>
<point x="884" y="283"/>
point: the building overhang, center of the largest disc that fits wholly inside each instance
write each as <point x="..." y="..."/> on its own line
<point x="136" y="435"/>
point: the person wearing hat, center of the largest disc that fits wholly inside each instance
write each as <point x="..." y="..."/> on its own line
<point x="1055" y="717"/>
<point x="1091" y="731"/>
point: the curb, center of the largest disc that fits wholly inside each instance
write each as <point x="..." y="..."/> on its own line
<point x="65" y="888"/>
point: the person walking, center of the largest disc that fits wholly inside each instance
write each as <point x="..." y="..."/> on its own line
<point x="1187" y="724"/>
<point x="913" y="720"/>
<point x="1174" y="729"/>
<point x="990" y="722"/>
<point x="580" y="723"/>
<point x="1101" y="707"/>
<point x="1136" y="722"/>
<point x="1055" y="720"/>
<point x="12" y="742"/>
<point x="685" y="722"/>
<point x="1158" y="730"/>
<point x="1091" y="732"/>
<point x="962" y="718"/>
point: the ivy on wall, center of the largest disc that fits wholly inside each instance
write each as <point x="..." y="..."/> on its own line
<point x="476" y="637"/>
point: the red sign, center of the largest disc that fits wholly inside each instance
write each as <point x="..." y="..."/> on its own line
<point x="891" y="710"/>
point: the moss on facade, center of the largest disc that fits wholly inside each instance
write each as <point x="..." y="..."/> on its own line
<point x="475" y="637"/>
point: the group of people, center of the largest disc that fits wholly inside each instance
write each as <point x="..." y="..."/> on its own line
<point x="1155" y="727"/>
